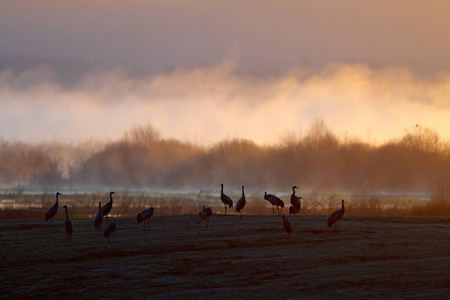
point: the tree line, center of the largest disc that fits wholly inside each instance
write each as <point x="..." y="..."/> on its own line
<point x="419" y="161"/>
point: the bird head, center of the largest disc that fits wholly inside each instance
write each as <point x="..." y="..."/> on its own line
<point x="111" y="193"/>
<point x="65" y="206"/>
<point x="265" y="196"/>
<point x="58" y="193"/>
<point x="294" y="187"/>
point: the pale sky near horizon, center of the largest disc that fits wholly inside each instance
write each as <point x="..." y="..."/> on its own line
<point x="225" y="69"/>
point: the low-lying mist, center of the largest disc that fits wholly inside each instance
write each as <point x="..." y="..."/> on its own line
<point x="419" y="161"/>
<point x="74" y="101"/>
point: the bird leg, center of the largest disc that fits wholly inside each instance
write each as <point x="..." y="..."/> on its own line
<point x="273" y="210"/>
<point x="278" y="209"/>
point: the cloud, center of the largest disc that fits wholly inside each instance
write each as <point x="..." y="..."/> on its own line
<point x="214" y="102"/>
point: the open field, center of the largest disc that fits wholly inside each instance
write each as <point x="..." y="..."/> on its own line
<point x="179" y="257"/>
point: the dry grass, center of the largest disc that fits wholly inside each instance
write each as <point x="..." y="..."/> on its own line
<point x="126" y="203"/>
<point x="371" y="257"/>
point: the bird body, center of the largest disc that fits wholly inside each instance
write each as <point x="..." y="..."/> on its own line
<point x="99" y="217"/>
<point x="145" y="215"/>
<point x="292" y="210"/>
<point x="275" y="201"/>
<point x="205" y="214"/>
<point x="287" y="225"/>
<point x="295" y="200"/>
<point x="53" y="210"/>
<point x="336" y="216"/>
<point x="225" y="199"/>
<point x="241" y="203"/>
<point x="109" y="229"/>
<point x="107" y="207"/>
<point x="68" y="223"/>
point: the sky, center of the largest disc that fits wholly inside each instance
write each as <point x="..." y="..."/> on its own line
<point x="204" y="71"/>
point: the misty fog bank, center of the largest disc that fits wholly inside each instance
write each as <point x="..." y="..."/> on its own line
<point x="419" y="161"/>
<point x="74" y="101"/>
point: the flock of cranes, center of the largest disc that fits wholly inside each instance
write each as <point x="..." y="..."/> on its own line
<point x="205" y="214"/>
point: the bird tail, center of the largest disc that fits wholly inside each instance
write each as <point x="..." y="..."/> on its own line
<point x="329" y="222"/>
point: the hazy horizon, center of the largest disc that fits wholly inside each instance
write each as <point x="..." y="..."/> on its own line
<point x="208" y="71"/>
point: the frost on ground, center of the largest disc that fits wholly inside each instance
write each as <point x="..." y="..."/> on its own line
<point x="390" y="257"/>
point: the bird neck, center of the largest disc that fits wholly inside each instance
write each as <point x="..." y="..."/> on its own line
<point x="67" y="215"/>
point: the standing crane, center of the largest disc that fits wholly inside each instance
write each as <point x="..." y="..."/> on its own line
<point x="296" y="203"/>
<point x="99" y="218"/>
<point x="68" y="224"/>
<point x="145" y="215"/>
<point x="275" y="201"/>
<point x="336" y="216"/>
<point x="287" y="225"/>
<point x="225" y="199"/>
<point x="109" y="229"/>
<point x="52" y="211"/>
<point x="205" y="214"/>
<point x="107" y="208"/>
<point x="241" y="203"/>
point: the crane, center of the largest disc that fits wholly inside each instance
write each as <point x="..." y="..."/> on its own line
<point x="109" y="229"/>
<point x="336" y="216"/>
<point x="145" y="215"/>
<point x="99" y="218"/>
<point x="205" y="214"/>
<point x="225" y="199"/>
<point x="52" y="211"/>
<point x="241" y="203"/>
<point x="275" y="201"/>
<point x="107" y="207"/>
<point x="295" y="201"/>
<point x="68" y="224"/>
<point x="287" y="225"/>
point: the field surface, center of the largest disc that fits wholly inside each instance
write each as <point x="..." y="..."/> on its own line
<point x="370" y="257"/>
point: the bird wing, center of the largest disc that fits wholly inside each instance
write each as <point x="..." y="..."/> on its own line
<point x="334" y="217"/>
<point x="51" y="212"/>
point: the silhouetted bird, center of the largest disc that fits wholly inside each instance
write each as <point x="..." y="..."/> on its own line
<point x="109" y="229"/>
<point x="241" y="203"/>
<point x="52" y="211"/>
<point x="68" y="224"/>
<point x="287" y="225"/>
<point x="205" y="214"/>
<point x="336" y="216"/>
<point x="99" y="218"/>
<point x="145" y="215"/>
<point x="275" y="201"/>
<point x="225" y="199"/>
<point x="107" y="208"/>
<point x="295" y="201"/>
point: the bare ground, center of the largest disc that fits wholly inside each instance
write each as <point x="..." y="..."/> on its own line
<point x="370" y="257"/>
